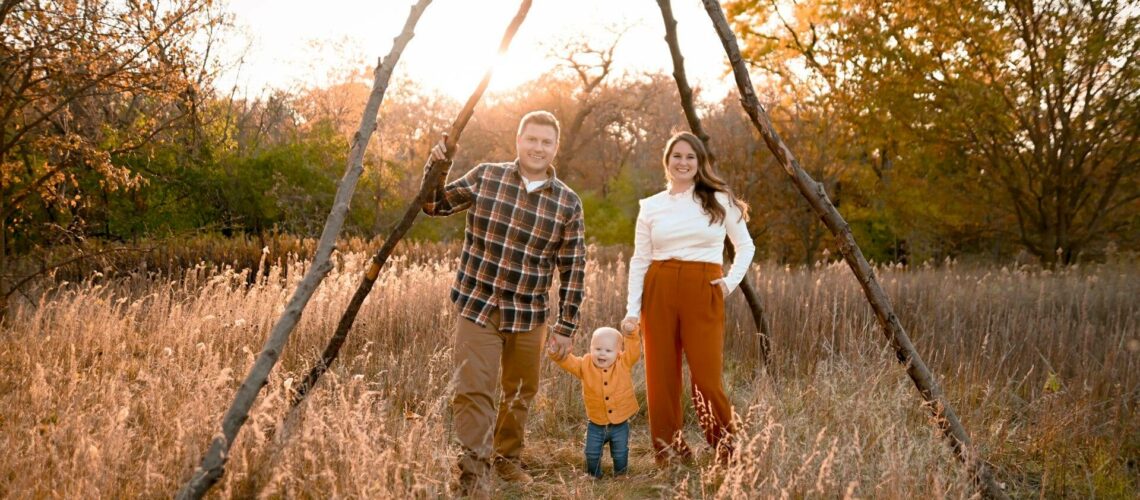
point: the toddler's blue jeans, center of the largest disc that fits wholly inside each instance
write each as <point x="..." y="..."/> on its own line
<point x="596" y="438"/>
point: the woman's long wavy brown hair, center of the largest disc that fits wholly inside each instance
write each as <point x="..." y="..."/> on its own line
<point x="708" y="183"/>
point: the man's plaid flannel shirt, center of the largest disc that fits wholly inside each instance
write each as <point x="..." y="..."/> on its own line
<point x="512" y="243"/>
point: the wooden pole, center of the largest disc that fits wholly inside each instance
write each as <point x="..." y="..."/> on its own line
<point x="213" y="463"/>
<point x="686" y="93"/>
<point x="431" y="178"/>
<point x="816" y="196"/>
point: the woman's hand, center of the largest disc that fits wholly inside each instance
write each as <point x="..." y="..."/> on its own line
<point x="629" y="324"/>
<point x="723" y="286"/>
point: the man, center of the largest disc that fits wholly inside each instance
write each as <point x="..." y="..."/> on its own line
<point x="522" y="224"/>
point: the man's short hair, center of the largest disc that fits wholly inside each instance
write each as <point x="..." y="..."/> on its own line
<point x="541" y="118"/>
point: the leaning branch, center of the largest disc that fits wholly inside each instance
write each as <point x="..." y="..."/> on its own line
<point x="816" y="196"/>
<point x="431" y="179"/>
<point x="213" y="463"/>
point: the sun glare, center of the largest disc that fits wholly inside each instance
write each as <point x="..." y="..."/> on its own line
<point x="456" y="40"/>
<point x="461" y="74"/>
<point x="456" y="48"/>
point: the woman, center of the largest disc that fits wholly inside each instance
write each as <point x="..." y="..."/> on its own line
<point x="677" y="291"/>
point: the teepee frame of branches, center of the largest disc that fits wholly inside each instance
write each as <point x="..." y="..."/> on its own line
<point x="213" y="462"/>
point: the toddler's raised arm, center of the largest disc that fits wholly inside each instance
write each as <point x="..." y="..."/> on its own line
<point x="570" y="363"/>
<point x="632" y="351"/>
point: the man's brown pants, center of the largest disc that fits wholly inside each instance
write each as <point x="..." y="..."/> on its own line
<point x="486" y="358"/>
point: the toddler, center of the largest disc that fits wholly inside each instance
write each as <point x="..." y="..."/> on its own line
<point x="607" y="389"/>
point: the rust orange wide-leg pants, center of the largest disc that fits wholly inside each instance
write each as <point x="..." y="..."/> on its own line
<point x="683" y="313"/>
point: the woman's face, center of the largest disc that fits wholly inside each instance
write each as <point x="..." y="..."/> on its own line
<point x="682" y="165"/>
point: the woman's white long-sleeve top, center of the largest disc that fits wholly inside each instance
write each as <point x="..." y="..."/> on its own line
<point x="674" y="226"/>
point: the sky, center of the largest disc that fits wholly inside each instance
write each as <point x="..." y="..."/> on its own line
<point x="455" y="40"/>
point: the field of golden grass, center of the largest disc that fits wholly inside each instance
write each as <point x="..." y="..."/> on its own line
<point x="112" y="386"/>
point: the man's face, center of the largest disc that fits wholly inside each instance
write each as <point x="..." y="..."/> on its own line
<point x="537" y="145"/>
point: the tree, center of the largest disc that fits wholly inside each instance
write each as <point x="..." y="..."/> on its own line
<point x="82" y="85"/>
<point x="1057" y="96"/>
<point x="1027" y="106"/>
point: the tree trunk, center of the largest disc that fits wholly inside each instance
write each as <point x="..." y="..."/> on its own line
<point x="816" y="196"/>
<point x="686" y="93"/>
<point x="213" y="463"/>
<point x="435" y="171"/>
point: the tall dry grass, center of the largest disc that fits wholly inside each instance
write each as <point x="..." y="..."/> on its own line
<point x="113" y="387"/>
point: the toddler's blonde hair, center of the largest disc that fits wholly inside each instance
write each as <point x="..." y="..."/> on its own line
<point x="606" y="331"/>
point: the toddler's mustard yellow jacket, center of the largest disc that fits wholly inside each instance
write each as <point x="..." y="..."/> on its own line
<point x="608" y="393"/>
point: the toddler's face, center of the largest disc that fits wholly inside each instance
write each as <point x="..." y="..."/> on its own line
<point x="605" y="347"/>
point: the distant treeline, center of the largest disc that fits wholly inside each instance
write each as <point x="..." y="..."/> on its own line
<point x="938" y="129"/>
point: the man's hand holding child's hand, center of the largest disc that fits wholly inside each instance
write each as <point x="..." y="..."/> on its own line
<point x="557" y="350"/>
